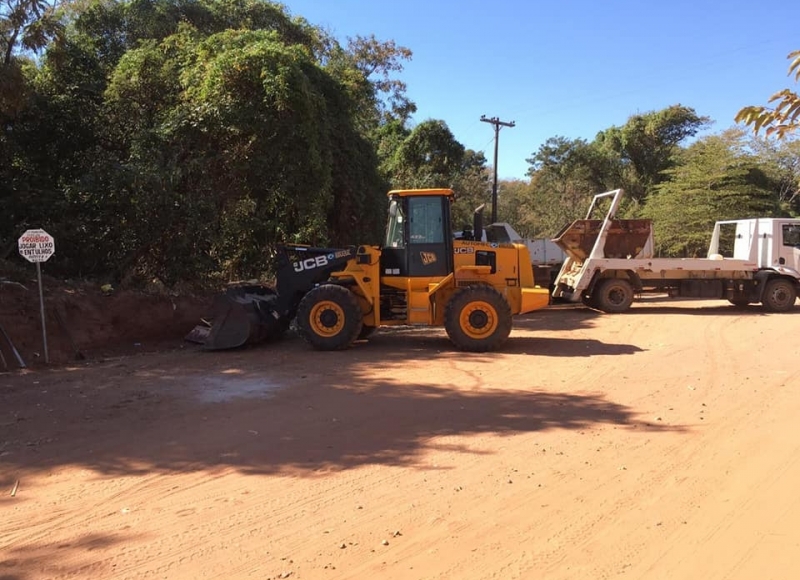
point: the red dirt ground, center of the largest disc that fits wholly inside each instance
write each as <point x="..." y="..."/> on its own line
<point x="661" y="443"/>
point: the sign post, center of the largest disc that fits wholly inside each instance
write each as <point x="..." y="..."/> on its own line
<point x="37" y="246"/>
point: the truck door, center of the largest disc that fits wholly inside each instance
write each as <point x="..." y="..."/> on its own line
<point x="789" y="251"/>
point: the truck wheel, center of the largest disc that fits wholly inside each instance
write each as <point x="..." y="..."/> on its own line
<point x="779" y="295"/>
<point x="329" y="317"/>
<point x="477" y="319"/>
<point x="739" y="302"/>
<point x="613" y="295"/>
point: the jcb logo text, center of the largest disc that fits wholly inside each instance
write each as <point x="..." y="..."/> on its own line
<point x="310" y="263"/>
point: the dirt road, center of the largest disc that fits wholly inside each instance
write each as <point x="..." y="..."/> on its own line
<point x="662" y="443"/>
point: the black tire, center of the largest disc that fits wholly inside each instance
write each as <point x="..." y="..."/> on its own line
<point x="739" y="302"/>
<point x="329" y="317"/>
<point x="477" y="319"/>
<point x="779" y="295"/>
<point x="613" y="295"/>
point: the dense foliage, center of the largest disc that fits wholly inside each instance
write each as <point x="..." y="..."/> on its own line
<point x="179" y="139"/>
<point x="183" y="140"/>
<point x="683" y="186"/>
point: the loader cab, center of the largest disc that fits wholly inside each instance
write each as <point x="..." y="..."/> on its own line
<point x="419" y="239"/>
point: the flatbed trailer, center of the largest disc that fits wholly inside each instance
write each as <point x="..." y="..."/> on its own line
<point x="609" y="261"/>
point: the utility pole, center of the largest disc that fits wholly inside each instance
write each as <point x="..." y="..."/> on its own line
<point x="497" y="123"/>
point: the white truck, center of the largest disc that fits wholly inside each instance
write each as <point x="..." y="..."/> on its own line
<point x="610" y="260"/>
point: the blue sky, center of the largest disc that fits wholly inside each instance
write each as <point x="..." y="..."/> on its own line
<point x="572" y="67"/>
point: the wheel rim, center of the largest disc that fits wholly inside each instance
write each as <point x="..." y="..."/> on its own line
<point x="780" y="295"/>
<point x="478" y="319"/>
<point x="617" y="295"/>
<point x="327" y="318"/>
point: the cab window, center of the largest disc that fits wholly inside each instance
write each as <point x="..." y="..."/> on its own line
<point x="425" y="220"/>
<point x="791" y="235"/>
<point x="395" y="236"/>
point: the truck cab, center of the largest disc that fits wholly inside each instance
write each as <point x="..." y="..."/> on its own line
<point x="770" y="242"/>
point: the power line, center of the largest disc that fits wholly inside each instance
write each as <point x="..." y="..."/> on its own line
<point x="497" y="123"/>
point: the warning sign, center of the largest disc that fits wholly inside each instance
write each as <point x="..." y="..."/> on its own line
<point x="37" y="246"/>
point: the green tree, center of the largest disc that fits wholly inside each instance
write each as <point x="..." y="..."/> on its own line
<point x="644" y="147"/>
<point x="366" y="66"/>
<point x="429" y="157"/>
<point x="26" y="26"/>
<point x="712" y="180"/>
<point x="473" y="188"/>
<point x="186" y="139"/>
<point x="515" y="206"/>
<point x="780" y="159"/>
<point x="388" y="138"/>
<point x="784" y="117"/>
<point x="565" y="173"/>
<point x="245" y="127"/>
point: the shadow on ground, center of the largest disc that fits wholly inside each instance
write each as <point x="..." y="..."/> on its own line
<point x="281" y="410"/>
<point x="71" y="559"/>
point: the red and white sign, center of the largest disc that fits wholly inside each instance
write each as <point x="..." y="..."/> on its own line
<point x="37" y="246"/>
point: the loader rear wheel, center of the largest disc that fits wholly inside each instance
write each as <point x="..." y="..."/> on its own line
<point x="329" y="317"/>
<point x="779" y="295"/>
<point x="613" y="295"/>
<point x="477" y="319"/>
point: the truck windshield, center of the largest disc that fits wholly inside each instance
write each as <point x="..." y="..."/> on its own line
<point x="395" y="237"/>
<point x="791" y="235"/>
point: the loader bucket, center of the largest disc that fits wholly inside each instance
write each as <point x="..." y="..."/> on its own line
<point x="626" y="238"/>
<point x="243" y="315"/>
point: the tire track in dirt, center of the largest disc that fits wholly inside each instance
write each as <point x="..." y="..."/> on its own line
<point x="680" y="454"/>
<point x="743" y="510"/>
<point x="570" y="494"/>
<point x="573" y="532"/>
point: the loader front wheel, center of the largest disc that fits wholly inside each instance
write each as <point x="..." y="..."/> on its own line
<point x="478" y="319"/>
<point x="613" y="295"/>
<point x="779" y="295"/>
<point x="329" y="317"/>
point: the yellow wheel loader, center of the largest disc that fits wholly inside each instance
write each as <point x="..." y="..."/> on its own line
<point x="420" y="276"/>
